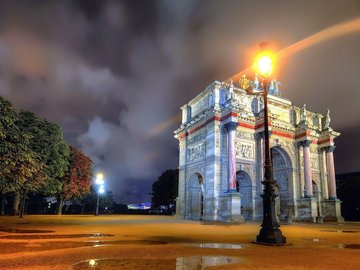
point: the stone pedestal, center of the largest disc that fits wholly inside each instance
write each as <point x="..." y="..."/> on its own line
<point x="178" y="215"/>
<point x="332" y="210"/>
<point x="230" y="207"/>
<point x="307" y="210"/>
<point x="319" y="220"/>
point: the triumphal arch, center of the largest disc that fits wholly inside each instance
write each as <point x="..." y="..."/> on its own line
<point x="221" y="157"/>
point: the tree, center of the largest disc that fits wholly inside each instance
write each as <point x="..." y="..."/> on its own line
<point x="76" y="182"/>
<point x="165" y="190"/>
<point x="48" y="142"/>
<point x="348" y="189"/>
<point x="20" y="167"/>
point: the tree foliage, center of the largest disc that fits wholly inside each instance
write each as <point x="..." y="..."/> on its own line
<point x="20" y="167"/>
<point x="77" y="180"/>
<point x="48" y="143"/>
<point x="165" y="189"/>
<point x="348" y="190"/>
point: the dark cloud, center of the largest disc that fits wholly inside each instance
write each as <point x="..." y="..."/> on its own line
<point x="114" y="73"/>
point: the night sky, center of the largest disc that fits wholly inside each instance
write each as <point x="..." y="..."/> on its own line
<point x="113" y="74"/>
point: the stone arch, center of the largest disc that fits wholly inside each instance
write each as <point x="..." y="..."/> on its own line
<point x="195" y="196"/>
<point x="282" y="172"/>
<point x="244" y="186"/>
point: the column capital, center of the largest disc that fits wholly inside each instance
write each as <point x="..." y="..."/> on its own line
<point x="230" y="126"/>
<point x="259" y="135"/>
<point x="305" y="143"/>
<point x="329" y="148"/>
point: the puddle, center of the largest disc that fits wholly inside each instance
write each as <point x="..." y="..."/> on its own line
<point x="216" y="245"/>
<point x="56" y="236"/>
<point x="182" y="263"/>
<point x="350" y="246"/>
<point x="313" y="239"/>
<point x="202" y="262"/>
<point x="25" y="231"/>
<point x="124" y="264"/>
<point x="340" y="231"/>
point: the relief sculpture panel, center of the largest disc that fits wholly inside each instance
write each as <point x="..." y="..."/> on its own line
<point x="314" y="162"/>
<point x="244" y="150"/>
<point x="196" y="152"/>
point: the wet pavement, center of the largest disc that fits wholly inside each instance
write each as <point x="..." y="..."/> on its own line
<point x="350" y="246"/>
<point x="138" y="242"/>
<point x="216" y="245"/>
<point x="56" y="236"/>
<point x="340" y="231"/>
<point x="24" y="231"/>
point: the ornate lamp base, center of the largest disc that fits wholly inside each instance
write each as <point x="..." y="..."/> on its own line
<point x="271" y="236"/>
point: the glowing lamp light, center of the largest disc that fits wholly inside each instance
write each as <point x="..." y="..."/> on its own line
<point x="99" y="179"/>
<point x="263" y="64"/>
<point x="101" y="189"/>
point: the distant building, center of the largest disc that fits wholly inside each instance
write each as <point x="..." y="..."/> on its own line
<point x="221" y="157"/>
<point x="139" y="206"/>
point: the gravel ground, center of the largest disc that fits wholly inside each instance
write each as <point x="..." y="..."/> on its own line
<point x="158" y="242"/>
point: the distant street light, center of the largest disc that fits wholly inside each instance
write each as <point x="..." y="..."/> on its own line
<point x="270" y="232"/>
<point x="99" y="181"/>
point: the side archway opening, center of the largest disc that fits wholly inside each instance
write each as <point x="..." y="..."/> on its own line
<point x="195" y="197"/>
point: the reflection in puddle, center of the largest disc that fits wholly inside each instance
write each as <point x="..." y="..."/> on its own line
<point x="183" y="263"/>
<point x="123" y="264"/>
<point x="56" y="236"/>
<point x="313" y="239"/>
<point x="24" y="231"/>
<point x="350" y="246"/>
<point x="201" y="262"/>
<point x="339" y="231"/>
<point x="216" y="245"/>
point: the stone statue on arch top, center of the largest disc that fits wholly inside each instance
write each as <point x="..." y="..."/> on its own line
<point x="274" y="88"/>
<point x="303" y="114"/>
<point x="256" y="82"/>
<point x="231" y="89"/>
<point x="244" y="82"/>
<point x="327" y="119"/>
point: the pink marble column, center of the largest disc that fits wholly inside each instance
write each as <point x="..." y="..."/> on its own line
<point x="331" y="172"/>
<point x="231" y="130"/>
<point x="307" y="168"/>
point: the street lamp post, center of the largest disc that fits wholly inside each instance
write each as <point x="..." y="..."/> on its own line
<point x="100" y="183"/>
<point x="270" y="232"/>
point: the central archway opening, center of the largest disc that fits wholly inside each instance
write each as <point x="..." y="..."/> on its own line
<point x="281" y="172"/>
